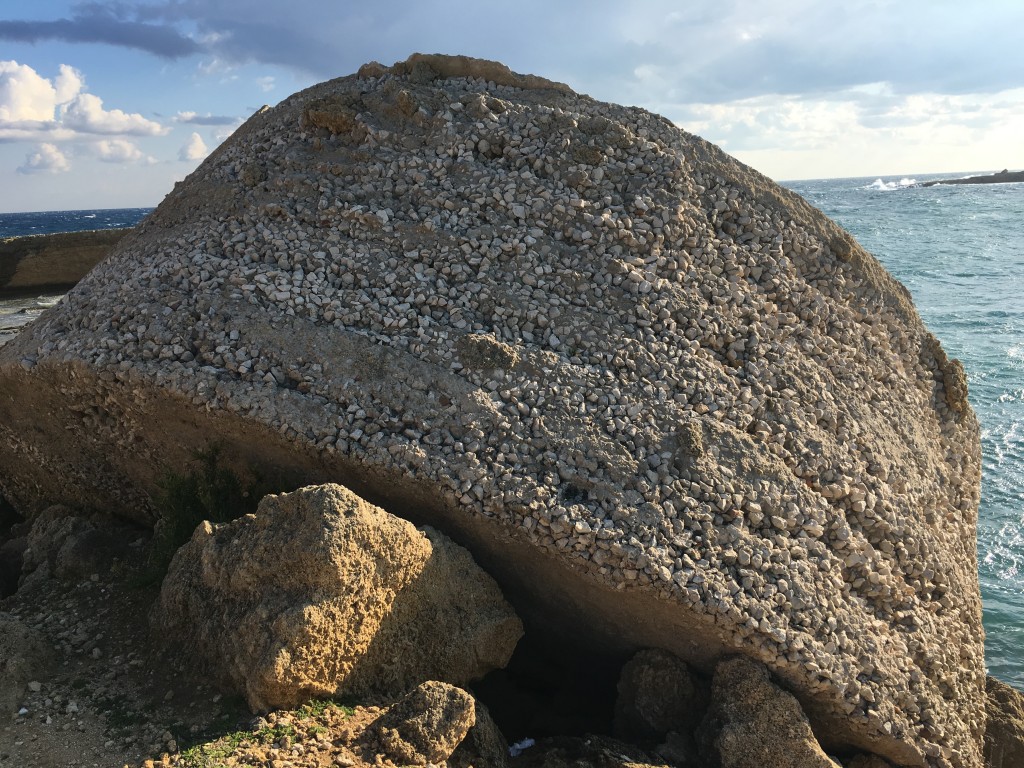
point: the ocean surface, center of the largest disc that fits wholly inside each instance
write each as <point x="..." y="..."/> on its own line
<point x="48" y="222"/>
<point x="960" y="251"/>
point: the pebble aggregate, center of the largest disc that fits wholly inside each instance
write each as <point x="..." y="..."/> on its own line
<point x="584" y="323"/>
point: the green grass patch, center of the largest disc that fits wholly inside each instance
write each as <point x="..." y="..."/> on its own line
<point x="212" y="754"/>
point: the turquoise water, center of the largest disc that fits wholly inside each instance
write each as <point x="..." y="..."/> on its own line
<point x="960" y="251"/>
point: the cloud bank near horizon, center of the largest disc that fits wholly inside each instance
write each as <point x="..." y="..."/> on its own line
<point x="798" y="90"/>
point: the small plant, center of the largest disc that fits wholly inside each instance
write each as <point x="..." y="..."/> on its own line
<point x="208" y="491"/>
<point x="212" y="755"/>
<point x="317" y="708"/>
<point x="215" y="754"/>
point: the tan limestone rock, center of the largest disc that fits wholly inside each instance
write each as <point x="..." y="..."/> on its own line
<point x="484" y="745"/>
<point x="754" y="723"/>
<point x="1004" y="731"/>
<point x="426" y="726"/>
<point x="321" y="594"/>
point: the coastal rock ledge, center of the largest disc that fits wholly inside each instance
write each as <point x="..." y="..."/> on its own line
<point x="664" y="402"/>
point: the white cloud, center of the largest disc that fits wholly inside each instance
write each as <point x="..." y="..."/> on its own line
<point x="46" y="159"/>
<point x="221" y="134"/>
<point x="195" y="118"/>
<point x="69" y="83"/>
<point x="862" y="131"/>
<point x="25" y="97"/>
<point x="117" y="151"/>
<point x="86" y="114"/>
<point x="194" y="148"/>
<point x="266" y="84"/>
<point x="33" y="107"/>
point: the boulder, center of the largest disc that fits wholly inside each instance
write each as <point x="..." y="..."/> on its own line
<point x="321" y="594"/>
<point x="65" y="546"/>
<point x="664" y="401"/>
<point x="753" y="723"/>
<point x="425" y="727"/>
<point x="25" y="655"/>
<point x="484" y="745"/>
<point x="1004" y="732"/>
<point x="657" y="696"/>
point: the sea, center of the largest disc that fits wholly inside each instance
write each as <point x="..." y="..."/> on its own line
<point x="960" y="251"/>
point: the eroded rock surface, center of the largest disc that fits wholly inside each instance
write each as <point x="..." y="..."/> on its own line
<point x="666" y="402"/>
<point x="1004" y="733"/>
<point x="426" y="726"/>
<point x="62" y="545"/>
<point x="322" y="594"/>
<point x="657" y="695"/>
<point x="753" y="723"/>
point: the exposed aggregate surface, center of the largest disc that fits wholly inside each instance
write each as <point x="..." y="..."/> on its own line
<point x="598" y="331"/>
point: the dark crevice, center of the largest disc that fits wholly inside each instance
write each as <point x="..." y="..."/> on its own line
<point x="552" y="687"/>
<point x="12" y="547"/>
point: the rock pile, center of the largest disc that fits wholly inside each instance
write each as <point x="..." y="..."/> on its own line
<point x="665" y="402"/>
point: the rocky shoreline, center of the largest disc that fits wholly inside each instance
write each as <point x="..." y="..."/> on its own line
<point x="687" y="429"/>
<point x="1003" y="177"/>
<point x="53" y="262"/>
<point x="88" y="684"/>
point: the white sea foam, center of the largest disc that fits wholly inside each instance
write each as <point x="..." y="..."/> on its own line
<point x="888" y="186"/>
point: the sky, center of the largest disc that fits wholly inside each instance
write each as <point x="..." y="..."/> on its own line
<point x="107" y="104"/>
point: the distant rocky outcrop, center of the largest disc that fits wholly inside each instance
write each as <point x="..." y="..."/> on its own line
<point x="321" y="594"/>
<point x="52" y="262"/>
<point x="665" y="402"/>
<point x="1003" y="177"/>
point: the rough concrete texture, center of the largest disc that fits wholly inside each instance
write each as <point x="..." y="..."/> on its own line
<point x="322" y="594"/>
<point x="664" y="401"/>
